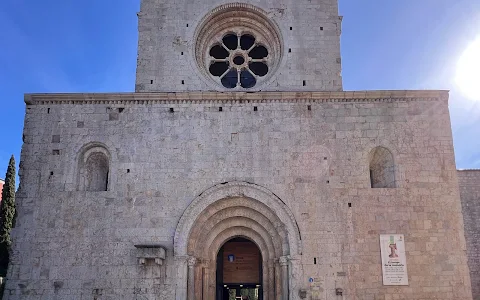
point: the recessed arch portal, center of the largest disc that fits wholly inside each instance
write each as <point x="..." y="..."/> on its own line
<point x="235" y="210"/>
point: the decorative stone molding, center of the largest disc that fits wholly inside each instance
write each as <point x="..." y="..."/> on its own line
<point x="236" y="189"/>
<point x="237" y="19"/>
<point x="150" y="252"/>
<point x="283" y="260"/>
<point x="192" y="261"/>
<point x="235" y="213"/>
<point x="235" y="97"/>
<point x="230" y="210"/>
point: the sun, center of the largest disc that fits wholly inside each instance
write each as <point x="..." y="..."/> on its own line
<point x="468" y="71"/>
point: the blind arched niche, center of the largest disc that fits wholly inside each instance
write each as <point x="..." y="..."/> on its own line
<point x="94" y="168"/>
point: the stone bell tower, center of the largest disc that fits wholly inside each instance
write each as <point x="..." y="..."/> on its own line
<point x="253" y="45"/>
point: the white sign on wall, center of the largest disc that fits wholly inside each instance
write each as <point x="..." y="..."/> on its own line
<point x="394" y="261"/>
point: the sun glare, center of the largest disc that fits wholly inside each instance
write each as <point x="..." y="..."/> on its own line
<point x="468" y="71"/>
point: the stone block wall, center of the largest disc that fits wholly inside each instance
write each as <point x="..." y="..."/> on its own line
<point x="311" y="150"/>
<point x="469" y="182"/>
<point x="310" y="29"/>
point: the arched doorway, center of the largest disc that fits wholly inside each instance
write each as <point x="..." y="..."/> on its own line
<point x="237" y="210"/>
<point x="239" y="271"/>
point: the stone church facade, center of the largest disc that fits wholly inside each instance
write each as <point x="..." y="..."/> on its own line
<point x="238" y="148"/>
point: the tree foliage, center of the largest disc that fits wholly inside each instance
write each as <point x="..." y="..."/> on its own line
<point x="7" y="215"/>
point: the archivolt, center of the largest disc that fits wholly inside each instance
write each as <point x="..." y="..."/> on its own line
<point x="244" y="202"/>
<point x="226" y="211"/>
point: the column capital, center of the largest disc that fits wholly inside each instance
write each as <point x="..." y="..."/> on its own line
<point x="206" y="262"/>
<point x="192" y="261"/>
<point x="283" y="260"/>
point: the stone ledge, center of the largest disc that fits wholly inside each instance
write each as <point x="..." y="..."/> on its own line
<point x="150" y="252"/>
<point x="212" y="97"/>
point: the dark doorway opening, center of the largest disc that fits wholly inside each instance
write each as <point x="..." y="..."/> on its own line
<point x="239" y="271"/>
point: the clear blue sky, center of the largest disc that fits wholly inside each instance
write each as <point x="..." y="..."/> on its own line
<point x="90" y="46"/>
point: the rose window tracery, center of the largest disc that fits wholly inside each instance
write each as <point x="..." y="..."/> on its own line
<point x="237" y="46"/>
<point x="238" y="61"/>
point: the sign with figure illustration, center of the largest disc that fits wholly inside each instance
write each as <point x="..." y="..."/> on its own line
<point x="394" y="261"/>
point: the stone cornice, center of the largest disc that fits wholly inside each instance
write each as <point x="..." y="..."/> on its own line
<point x="234" y="97"/>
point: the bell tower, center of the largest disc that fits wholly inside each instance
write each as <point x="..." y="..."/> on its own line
<point x="254" y="45"/>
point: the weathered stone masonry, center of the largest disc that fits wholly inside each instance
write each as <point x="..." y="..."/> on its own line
<point x="469" y="182"/>
<point x="311" y="150"/>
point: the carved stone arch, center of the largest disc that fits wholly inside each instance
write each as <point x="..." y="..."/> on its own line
<point x="277" y="233"/>
<point x="77" y="149"/>
<point x="231" y="210"/>
<point x="209" y="262"/>
<point x="273" y="246"/>
<point x="225" y="235"/>
<point x="94" y="168"/>
<point x="382" y="168"/>
<point x="235" y="190"/>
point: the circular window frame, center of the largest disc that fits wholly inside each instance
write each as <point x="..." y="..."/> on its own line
<point x="237" y="19"/>
<point x="235" y="65"/>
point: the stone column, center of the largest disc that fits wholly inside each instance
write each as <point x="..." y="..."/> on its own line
<point x="278" y="281"/>
<point x="191" y="277"/>
<point x="284" y="266"/>
<point x="271" y="280"/>
<point x="265" y="281"/>
<point x="181" y="278"/>
<point x="206" y="271"/>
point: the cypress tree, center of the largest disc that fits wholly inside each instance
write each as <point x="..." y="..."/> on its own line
<point x="7" y="215"/>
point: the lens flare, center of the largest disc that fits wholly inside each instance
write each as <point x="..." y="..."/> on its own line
<point x="468" y="71"/>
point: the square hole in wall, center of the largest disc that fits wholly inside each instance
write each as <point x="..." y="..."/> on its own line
<point x="349" y="204"/>
<point x="255" y="108"/>
<point x="309" y="107"/>
<point x="56" y="152"/>
<point x="172" y="110"/>
<point x="220" y="109"/>
<point x="304" y="83"/>
<point x="128" y="170"/>
<point x="151" y="81"/>
<point x="113" y="116"/>
<point x="80" y="124"/>
<point x="289" y="50"/>
<point x="291" y="28"/>
<point x="321" y="28"/>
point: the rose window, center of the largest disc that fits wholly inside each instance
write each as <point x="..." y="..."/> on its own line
<point x="238" y="61"/>
<point x="237" y="47"/>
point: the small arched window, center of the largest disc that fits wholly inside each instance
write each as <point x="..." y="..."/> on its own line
<point x="94" y="170"/>
<point x="382" y="168"/>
